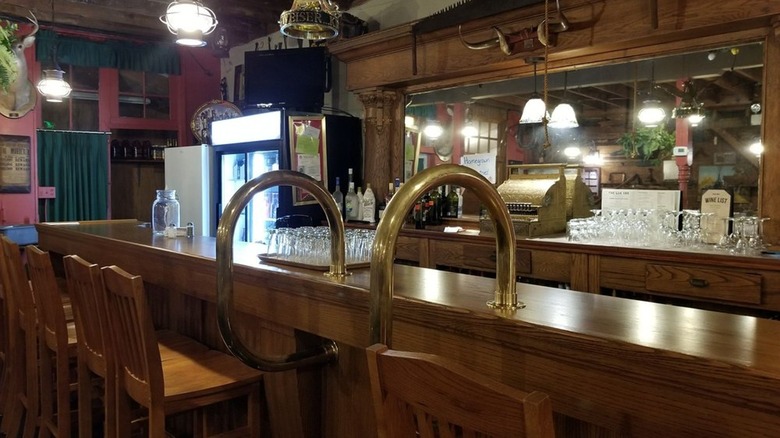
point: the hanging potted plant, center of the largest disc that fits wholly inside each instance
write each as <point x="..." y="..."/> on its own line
<point x="648" y="144"/>
<point x="7" y="58"/>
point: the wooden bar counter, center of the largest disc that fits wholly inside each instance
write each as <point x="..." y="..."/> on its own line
<point x="612" y="366"/>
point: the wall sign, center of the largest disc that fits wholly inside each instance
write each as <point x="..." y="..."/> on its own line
<point x="14" y="164"/>
<point x="308" y="153"/>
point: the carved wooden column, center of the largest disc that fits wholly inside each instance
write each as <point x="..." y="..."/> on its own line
<point x="383" y="149"/>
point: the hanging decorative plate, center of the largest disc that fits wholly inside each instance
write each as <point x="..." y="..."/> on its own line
<point x="210" y="112"/>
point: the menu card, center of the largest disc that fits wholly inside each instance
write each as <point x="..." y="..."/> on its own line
<point x="637" y="199"/>
<point x="716" y="205"/>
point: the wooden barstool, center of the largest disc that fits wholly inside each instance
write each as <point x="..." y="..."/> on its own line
<point x="85" y="286"/>
<point x="22" y="405"/>
<point x="417" y="394"/>
<point x="95" y="355"/>
<point x="180" y="383"/>
<point x="57" y="346"/>
<point x="6" y="323"/>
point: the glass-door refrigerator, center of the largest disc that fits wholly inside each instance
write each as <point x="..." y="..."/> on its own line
<point x="247" y="147"/>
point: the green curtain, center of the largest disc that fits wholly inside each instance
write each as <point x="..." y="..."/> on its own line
<point x="123" y="55"/>
<point x="76" y="165"/>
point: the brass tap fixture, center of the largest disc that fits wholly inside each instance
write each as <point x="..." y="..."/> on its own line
<point x="383" y="251"/>
<point x="326" y="352"/>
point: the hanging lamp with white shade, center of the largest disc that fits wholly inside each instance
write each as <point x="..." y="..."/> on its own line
<point x="535" y="109"/>
<point x="469" y="129"/>
<point x="563" y="116"/>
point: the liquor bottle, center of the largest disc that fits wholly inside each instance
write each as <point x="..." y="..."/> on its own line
<point x="418" y="215"/>
<point x="369" y="205"/>
<point x="384" y="201"/>
<point x="425" y="209"/>
<point x="350" y="203"/>
<point x="359" y="215"/>
<point x="338" y="196"/>
<point x="434" y="207"/>
<point x="459" y="192"/>
<point x="453" y="202"/>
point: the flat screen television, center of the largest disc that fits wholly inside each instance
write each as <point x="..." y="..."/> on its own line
<point x="294" y="79"/>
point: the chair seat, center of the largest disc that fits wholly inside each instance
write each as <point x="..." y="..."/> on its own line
<point x="204" y="374"/>
<point x="173" y="345"/>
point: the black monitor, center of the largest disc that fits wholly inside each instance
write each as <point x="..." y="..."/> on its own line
<point x="294" y="79"/>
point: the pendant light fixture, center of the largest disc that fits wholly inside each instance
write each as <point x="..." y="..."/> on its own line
<point x="433" y="129"/>
<point x="652" y="113"/>
<point x="535" y="109"/>
<point x="190" y="21"/>
<point x="314" y="20"/>
<point x="52" y="85"/>
<point x="563" y="115"/>
<point x="469" y="129"/>
<point x="689" y="108"/>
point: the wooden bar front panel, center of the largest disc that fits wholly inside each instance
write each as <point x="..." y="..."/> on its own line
<point x="613" y="367"/>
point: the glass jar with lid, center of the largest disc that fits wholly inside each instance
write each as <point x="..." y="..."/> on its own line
<point x="165" y="211"/>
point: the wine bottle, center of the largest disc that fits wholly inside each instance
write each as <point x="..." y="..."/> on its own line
<point x="434" y="207"/>
<point x="453" y="203"/>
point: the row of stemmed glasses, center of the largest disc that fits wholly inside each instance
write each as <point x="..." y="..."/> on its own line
<point x="311" y="245"/>
<point x="746" y="235"/>
<point x="626" y="227"/>
<point x="690" y="229"/>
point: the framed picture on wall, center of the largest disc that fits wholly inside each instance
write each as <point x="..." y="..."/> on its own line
<point x="14" y="164"/>
<point x="308" y="153"/>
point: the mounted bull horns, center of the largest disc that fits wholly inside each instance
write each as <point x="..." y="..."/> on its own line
<point x="527" y="39"/>
<point x="500" y="40"/>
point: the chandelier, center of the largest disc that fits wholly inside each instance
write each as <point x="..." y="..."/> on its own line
<point x="311" y="20"/>
<point x="189" y="20"/>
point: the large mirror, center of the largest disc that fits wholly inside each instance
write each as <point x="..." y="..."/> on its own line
<point x="616" y="149"/>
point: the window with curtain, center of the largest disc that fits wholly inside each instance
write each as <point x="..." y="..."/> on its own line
<point x="76" y="165"/>
<point x="80" y="111"/>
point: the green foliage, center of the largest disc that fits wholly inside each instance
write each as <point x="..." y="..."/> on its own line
<point x="7" y="61"/>
<point x="648" y="143"/>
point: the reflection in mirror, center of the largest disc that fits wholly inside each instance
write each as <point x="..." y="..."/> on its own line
<point x="711" y="101"/>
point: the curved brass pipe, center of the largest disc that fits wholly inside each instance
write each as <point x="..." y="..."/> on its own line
<point x="227" y="224"/>
<point x="383" y="251"/>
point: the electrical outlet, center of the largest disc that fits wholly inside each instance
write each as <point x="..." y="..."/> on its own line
<point x="47" y="192"/>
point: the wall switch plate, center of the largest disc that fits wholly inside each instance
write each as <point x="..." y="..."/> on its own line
<point x="47" y="192"/>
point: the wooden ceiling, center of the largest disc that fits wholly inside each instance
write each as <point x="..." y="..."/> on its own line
<point x="243" y="20"/>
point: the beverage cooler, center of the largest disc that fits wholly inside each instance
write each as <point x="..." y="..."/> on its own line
<point x="322" y="146"/>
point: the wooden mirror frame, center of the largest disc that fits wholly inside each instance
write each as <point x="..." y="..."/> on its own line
<point x="384" y="66"/>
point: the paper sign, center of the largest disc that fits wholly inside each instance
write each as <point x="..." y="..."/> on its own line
<point x="310" y="165"/>
<point x="616" y="199"/>
<point x="485" y="164"/>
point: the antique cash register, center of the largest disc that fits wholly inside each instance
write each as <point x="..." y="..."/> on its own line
<point x="541" y="198"/>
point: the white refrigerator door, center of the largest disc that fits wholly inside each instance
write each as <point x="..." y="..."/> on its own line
<point x="190" y="171"/>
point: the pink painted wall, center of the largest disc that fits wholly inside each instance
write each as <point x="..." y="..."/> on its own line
<point x="22" y="208"/>
<point x="200" y="70"/>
